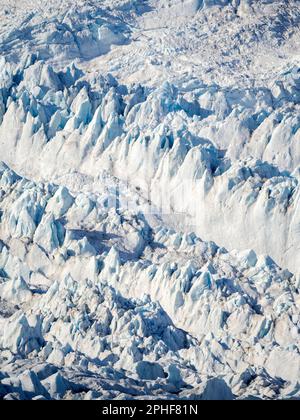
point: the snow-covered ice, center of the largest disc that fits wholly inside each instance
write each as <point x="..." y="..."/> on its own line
<point x="149" y="199"/>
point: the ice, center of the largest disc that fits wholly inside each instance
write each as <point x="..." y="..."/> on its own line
<point x="23" y="334"/>
<point x="56" y="385"/>
<point x="49" y="234"/>
<point x="60" y="203"/>
<point x="150" y="371"/>
<point x="149" y="199"/>
<point x="16" y="291"/>
<point x="111" y="265"/>
<point x="82" y="315"/>
<point x="85" y="129"/>
<point x="216" y="389"/>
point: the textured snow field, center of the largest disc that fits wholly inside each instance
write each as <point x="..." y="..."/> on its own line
<point x="150" y="199"/>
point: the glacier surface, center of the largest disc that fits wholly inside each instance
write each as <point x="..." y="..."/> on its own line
<point x="150" y="199"/>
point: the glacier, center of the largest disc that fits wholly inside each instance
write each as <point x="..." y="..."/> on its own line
<point x="149" y="200"/>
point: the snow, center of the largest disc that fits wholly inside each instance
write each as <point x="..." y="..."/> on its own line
<point x="149" y="199"/>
